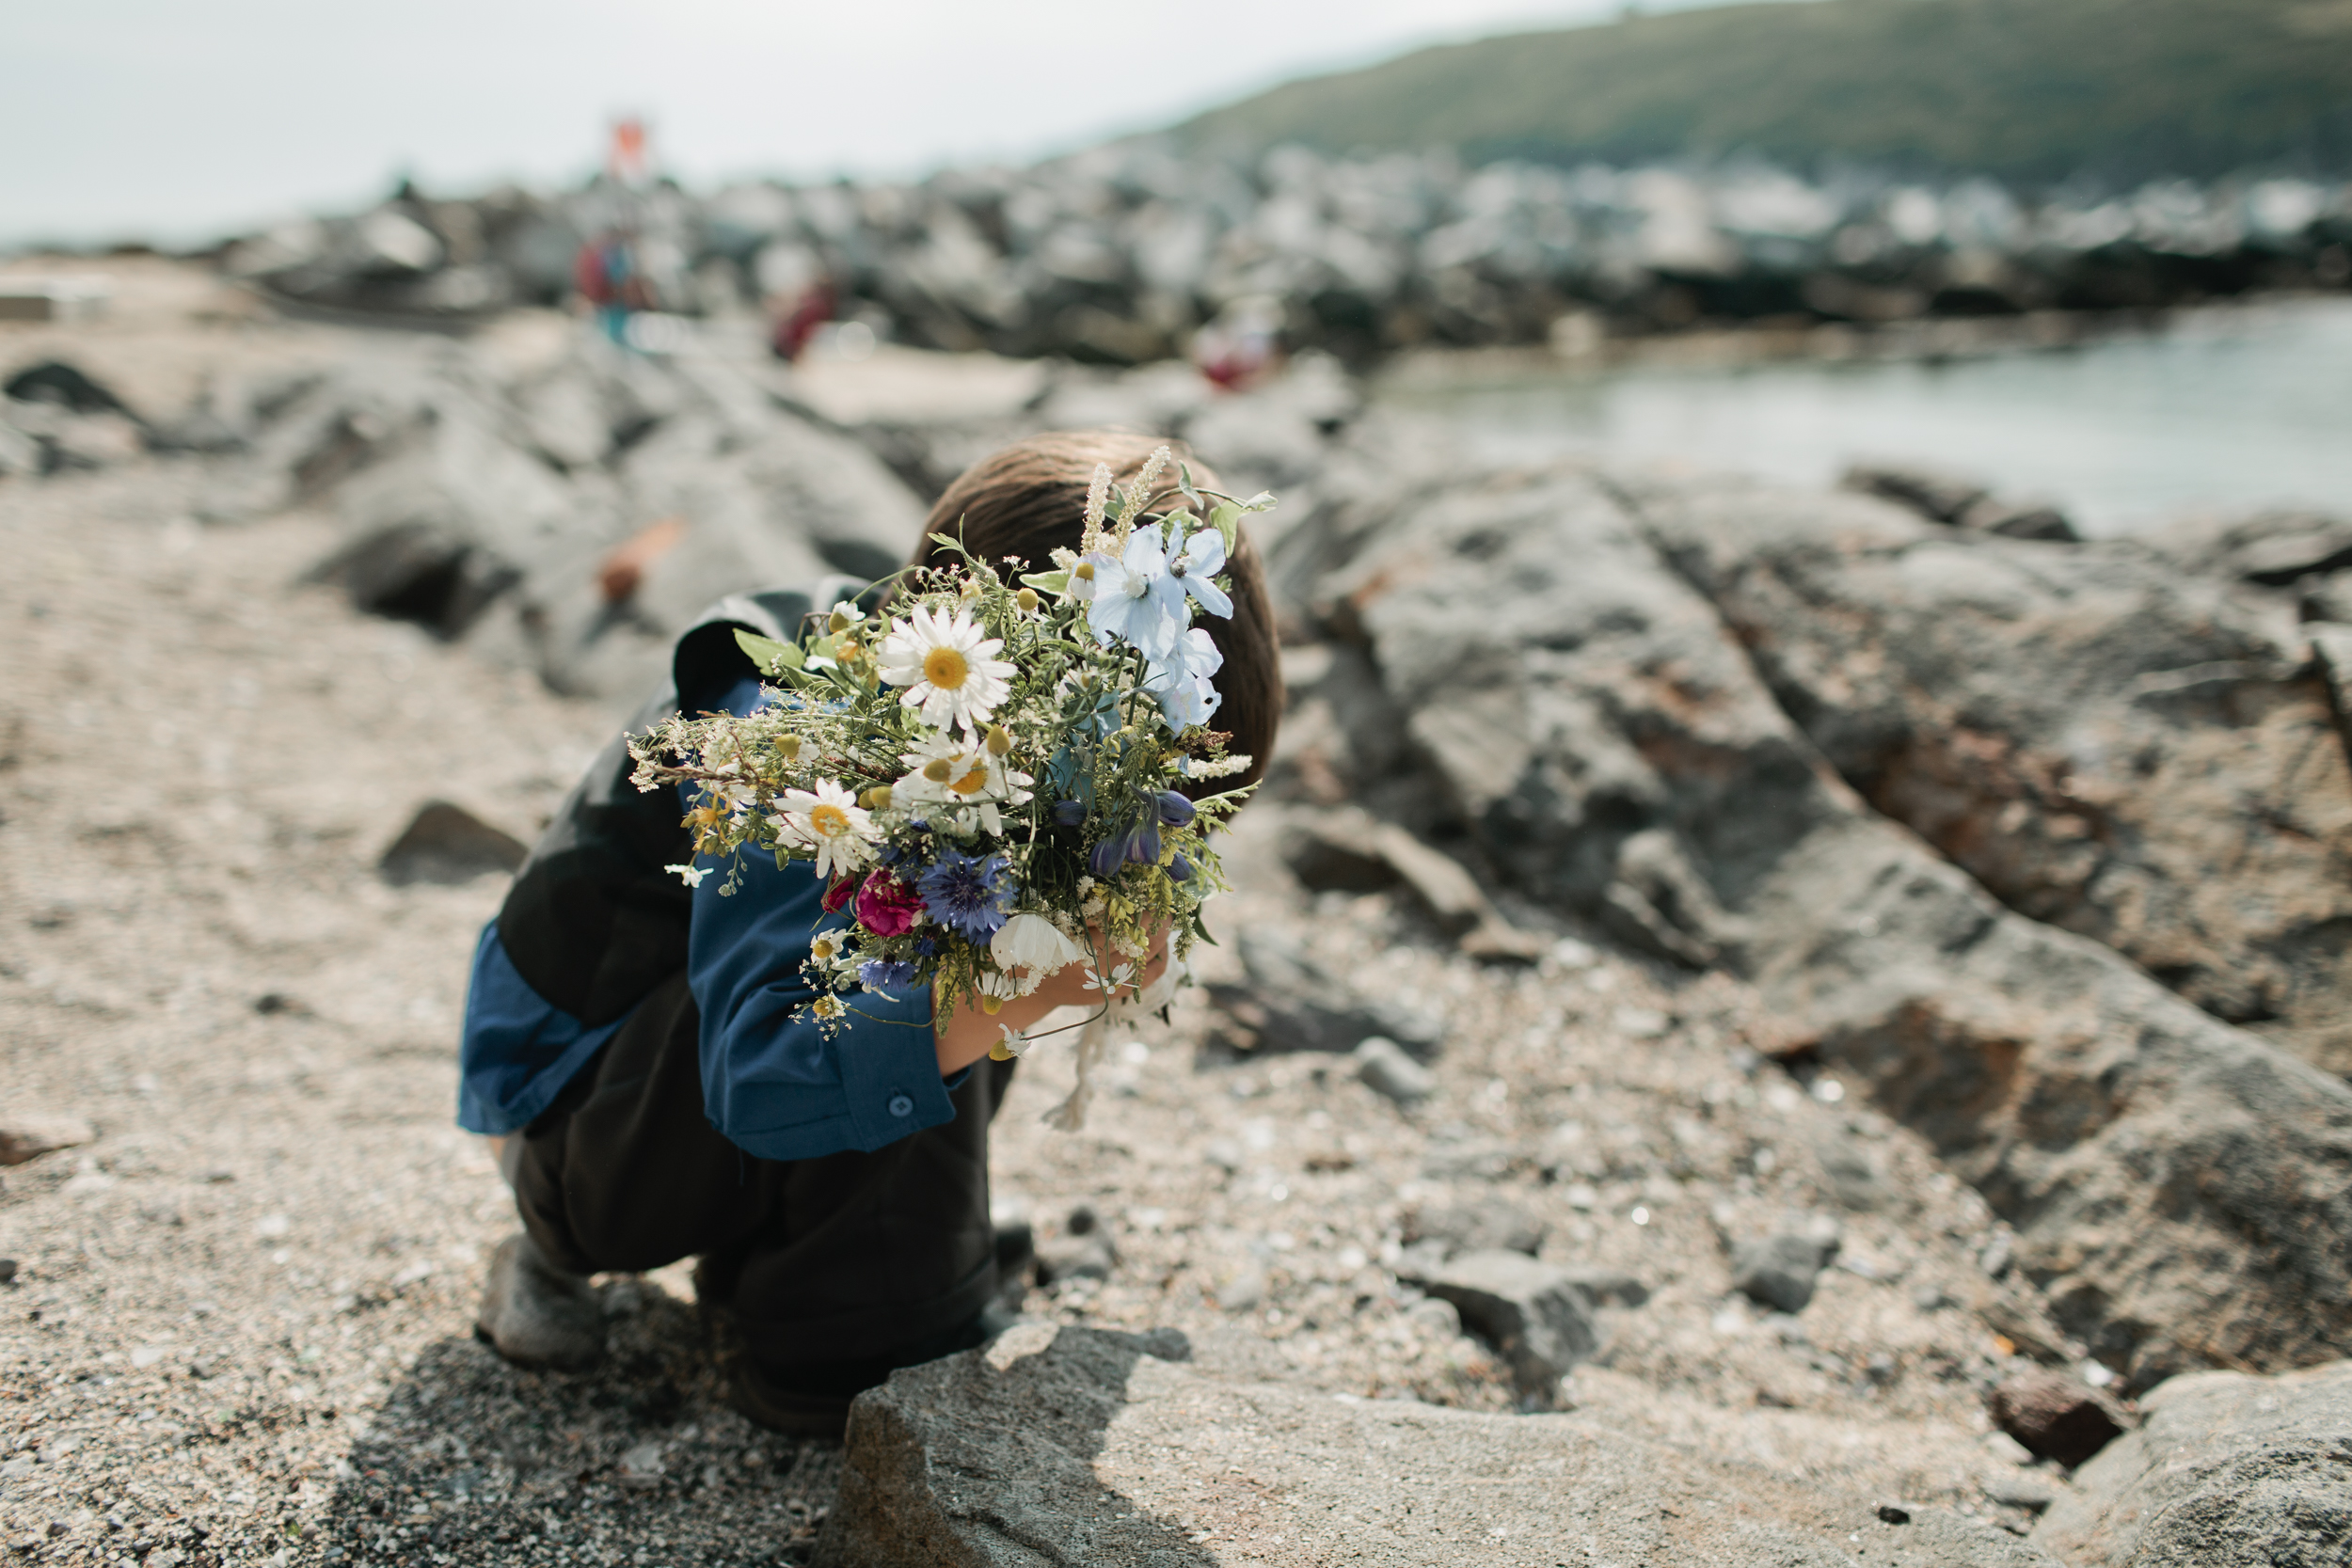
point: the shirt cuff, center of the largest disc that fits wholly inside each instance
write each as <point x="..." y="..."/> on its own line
<point x="890" y="1066"/>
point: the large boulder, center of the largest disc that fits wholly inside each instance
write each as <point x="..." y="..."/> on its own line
<point x="2227" y="1469"/>
<point x="2105" y="743"/>
<point x="2182" y="1190"/>
<point x="571" y="516"/>
<point x="1074" y="1445"/>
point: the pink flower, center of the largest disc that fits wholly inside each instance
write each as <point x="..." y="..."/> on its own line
<point x="886" y="905"/>
<point x="837" y="892"/>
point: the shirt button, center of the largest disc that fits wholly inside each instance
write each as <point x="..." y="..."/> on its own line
<point x="901" y="1105"/>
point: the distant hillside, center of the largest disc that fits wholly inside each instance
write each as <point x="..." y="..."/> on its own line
<point x="2030" y="90"/>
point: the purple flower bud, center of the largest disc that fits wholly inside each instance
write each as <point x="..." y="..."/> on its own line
<point x="1175" y="810"/>
<point x="1180" y="870"/>
<point x="1103" y="860"/>
<point x="1070" y="813"/>
<point x="1143" y="844"/>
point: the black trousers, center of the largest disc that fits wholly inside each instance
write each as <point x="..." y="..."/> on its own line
<point x="824" y="1265"/>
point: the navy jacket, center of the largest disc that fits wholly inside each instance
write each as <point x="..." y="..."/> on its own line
<point x="592" y="923"/>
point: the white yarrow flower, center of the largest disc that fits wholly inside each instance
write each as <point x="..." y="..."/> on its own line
<point x="828" y="820"/>
<point x="948" y="667"/>
<point x="691" y="875"/>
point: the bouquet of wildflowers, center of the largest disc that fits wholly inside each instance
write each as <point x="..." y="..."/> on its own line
<point x="988" y="773"/>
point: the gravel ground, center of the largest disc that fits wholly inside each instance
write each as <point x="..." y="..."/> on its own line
<point x="238" y="1330"/>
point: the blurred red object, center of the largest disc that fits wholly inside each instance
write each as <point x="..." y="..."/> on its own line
<point x="796" y="327"/>
<point x="1240" y="345"/>
<point x="627" y="161"/>
<point x="620" y="573"/>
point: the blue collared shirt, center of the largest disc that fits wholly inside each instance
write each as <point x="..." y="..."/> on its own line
<point x="777" y="1086"/>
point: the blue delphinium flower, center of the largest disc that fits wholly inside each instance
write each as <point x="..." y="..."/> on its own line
<point x="1180" y="679"/>
<point x="1191" y="564"/>
<point x="884" y="974"/>
<point x="1135" y="600"/>
<point x="968" y="894"/>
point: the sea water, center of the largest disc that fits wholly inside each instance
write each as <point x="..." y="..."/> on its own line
<point x="2234" y="409"/>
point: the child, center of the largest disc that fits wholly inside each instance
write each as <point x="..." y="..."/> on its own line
<point x="630" y="1042"/>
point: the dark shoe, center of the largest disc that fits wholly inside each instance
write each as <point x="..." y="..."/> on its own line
<point x="534" y="1314"/>
<point x="760" y="1400"/>
<point x="812" y="1400"/>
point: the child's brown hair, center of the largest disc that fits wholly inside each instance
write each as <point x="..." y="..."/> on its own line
<point x="1027" y="501"/>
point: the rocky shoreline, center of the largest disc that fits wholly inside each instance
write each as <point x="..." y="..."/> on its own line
<point x="1760" y="1024"/>
<point x="1118" y="255"/>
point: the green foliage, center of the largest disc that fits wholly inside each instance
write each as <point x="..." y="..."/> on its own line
<point x="2028" y="90"/>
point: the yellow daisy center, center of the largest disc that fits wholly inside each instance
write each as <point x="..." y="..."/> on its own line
<point x="972" y="783"/>
<point x="945" y="668"/>
<point x="828" y="819"/>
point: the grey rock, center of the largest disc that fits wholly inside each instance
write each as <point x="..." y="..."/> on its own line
<point x="639" y="1470"/>
<point x="2332" y="651"/>
<point x="2271" y="548"/>
<point x="1387" y="1070"/>
<point x="1938" y="496"/>
<point x="2287" y="556"/>
<point x="1779" y="1271"/>
<point x="2019" y="520"/>
<point x="2022" y="1489"/>
<point x="1082" y="1250"/>
<point x="1483" y="1226"/>
<point x="1291" y="1003"/>
<point x="2107" y="744"/>
<point x="2227" y="1469"/>
<point x="66" y="386"/>
<point x="1604" y="1286"/>
<point x="1536" y="1315"/>
<point x="2179" y="1187"/>
<point x="20" y="453"/>
<point x="1437" y="1314"/>
<point x="1344" y="846"/>
<point x="445" y="843"/>
<point x="2327" y="598"/>
<point x="1341" y="740"/>
<point x="1245" y="1292"/>
<point x="2055" y="1416"/>
<point x="24" y="1137"/>
<point x="1077" y="1445"/>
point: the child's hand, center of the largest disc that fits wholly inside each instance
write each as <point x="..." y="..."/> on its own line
<point x="971" y="1033"/>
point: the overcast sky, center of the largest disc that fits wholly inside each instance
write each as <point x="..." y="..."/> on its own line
<point x="164" y="119"/>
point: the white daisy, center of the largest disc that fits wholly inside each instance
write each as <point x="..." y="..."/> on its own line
<point x="948" y="667"/>
<point x="828" y="820"/>
<point x="1121" y="976"/>
<point x="946" y="771"/>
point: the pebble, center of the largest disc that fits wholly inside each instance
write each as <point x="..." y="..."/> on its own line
<point x="1386" y="1069"/>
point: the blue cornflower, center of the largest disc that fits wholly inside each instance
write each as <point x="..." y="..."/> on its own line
<point x="966" y="894"/>
<point x="885" y="974"/>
